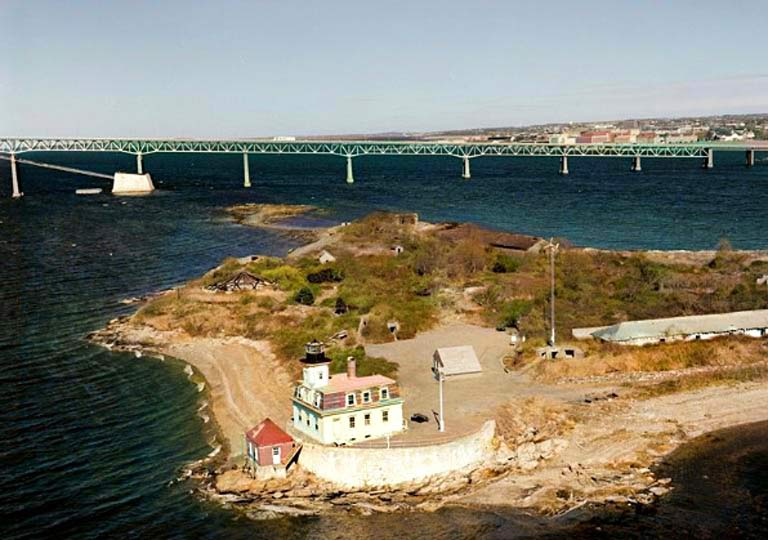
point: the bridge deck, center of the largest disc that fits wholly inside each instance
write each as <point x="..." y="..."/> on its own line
<point x="362" y="148"/>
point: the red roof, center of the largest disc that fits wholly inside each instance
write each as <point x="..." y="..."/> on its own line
<point x="267" y="433"/>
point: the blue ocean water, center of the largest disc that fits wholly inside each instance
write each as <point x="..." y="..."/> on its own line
<point x="92" y="441"/>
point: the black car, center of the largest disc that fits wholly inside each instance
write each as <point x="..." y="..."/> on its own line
<point x="419" y="418"/>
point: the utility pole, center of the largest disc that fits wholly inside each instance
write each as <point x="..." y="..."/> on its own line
<point x="552" y="248"/>
<point x="440" y="379"/>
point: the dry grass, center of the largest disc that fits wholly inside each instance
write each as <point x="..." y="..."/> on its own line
<point x="696" y="381"/>
<point x="602" y="359"/>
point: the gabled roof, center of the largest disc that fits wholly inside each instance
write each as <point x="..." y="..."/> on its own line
<point x="676" y="326"/>
<point x="267" y="433"/>
<point x="458" y="360"/>
<point x="241" y="281"/>
<point x="343" y="383"/>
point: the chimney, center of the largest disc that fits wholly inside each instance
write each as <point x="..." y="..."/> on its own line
<point x="351" y="367"/>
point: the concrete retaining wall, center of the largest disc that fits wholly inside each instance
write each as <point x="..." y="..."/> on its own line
<point x="132" y="183"/>
<point x="366" y="467"/>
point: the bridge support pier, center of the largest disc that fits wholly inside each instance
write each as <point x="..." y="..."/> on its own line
<point x="15" y="178"/>
<point x="139" y="163"/>
<point x="750" y="158"/>
<point x="350" y="176"/>
<point x="246" y="172"/>
<point x="564" y="165"/>
<point x="709" y="161"/>
<point x="636" y="167"/>
<point x="465" y="173"/>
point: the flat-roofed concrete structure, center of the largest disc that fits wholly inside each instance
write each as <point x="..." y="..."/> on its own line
<point x="695" y="327"/>
<point x="453" y="361"/>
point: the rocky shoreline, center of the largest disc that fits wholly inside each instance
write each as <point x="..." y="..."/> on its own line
<point x="608" y="458"/>
<point x="216" y="479"/>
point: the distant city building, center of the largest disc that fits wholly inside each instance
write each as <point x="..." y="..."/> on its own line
<point x="625" y="136"/>
<point x="344" y="408"/>
<point x="592" y="137"/>
<point x="679" y="138"/>
<point x="733" y="136"/>
<point x="648" y="137"/>
<point x="562" y="138"/>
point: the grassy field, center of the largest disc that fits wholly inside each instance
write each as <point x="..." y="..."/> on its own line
<point x="418" y="287"/>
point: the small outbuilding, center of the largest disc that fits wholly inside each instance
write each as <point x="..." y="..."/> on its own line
<point x="269" y="450"/>
<point x="454" y="361"/>
<point x="325" y="257"/>
<point x="558" y="353"/>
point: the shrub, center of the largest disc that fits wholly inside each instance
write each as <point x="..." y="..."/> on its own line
<point x="340" y="307"/>
<point x="327" y="275"/>
<point x="427" y="257"/>
<point x="513" y="311"/>
<point x="505" y="264"/>
<point x="468" y="257"/>
<point x="304" y="296"/>
<point x="488" y="296"/>
<point x="287" y="277"/>
<point x="365" y="365"/>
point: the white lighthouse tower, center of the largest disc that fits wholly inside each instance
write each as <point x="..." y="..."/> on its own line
<point x="316" y="373"/>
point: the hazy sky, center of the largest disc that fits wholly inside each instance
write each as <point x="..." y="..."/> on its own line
<point x="247" y="68"/>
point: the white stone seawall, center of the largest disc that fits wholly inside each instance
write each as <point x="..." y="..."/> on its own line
<point x="385" y="467"/>
<point x="132" y="183"/>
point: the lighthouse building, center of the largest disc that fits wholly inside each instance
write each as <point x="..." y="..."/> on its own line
<point x="344" y="408"/>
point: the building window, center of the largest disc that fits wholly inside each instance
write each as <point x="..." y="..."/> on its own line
<point x="316" y="424"/>
<point x="384" y="393"/>
<point x="275" y="450"/>
<point x="317" y="400"/>
<point x="351" y="422"/>
<point x="367" y="396"/>
<point x="385" y="416"/>
<point x="350" y="400"/>
<point x="367" y="419"/>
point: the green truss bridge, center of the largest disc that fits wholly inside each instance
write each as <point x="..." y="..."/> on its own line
<point x="11" y="147"/>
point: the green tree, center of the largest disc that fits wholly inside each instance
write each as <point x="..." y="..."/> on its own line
<point x="304" y="296"/>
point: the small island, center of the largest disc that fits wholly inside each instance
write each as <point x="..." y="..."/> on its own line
<point x="387" y="301"/>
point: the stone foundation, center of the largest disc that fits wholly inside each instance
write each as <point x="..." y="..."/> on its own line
<point x="132" y="183"/>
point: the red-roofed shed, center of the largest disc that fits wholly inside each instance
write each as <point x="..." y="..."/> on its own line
<point x="268" y="444"/>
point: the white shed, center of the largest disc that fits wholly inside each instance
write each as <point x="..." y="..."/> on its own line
<point x="456" y="361"/>
<point x="325" y="257"/>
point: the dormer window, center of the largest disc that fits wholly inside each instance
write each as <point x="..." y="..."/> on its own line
<point x="367" y="396"/>
<point x="384" y="393"/>
<point x="350" y="400"/>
